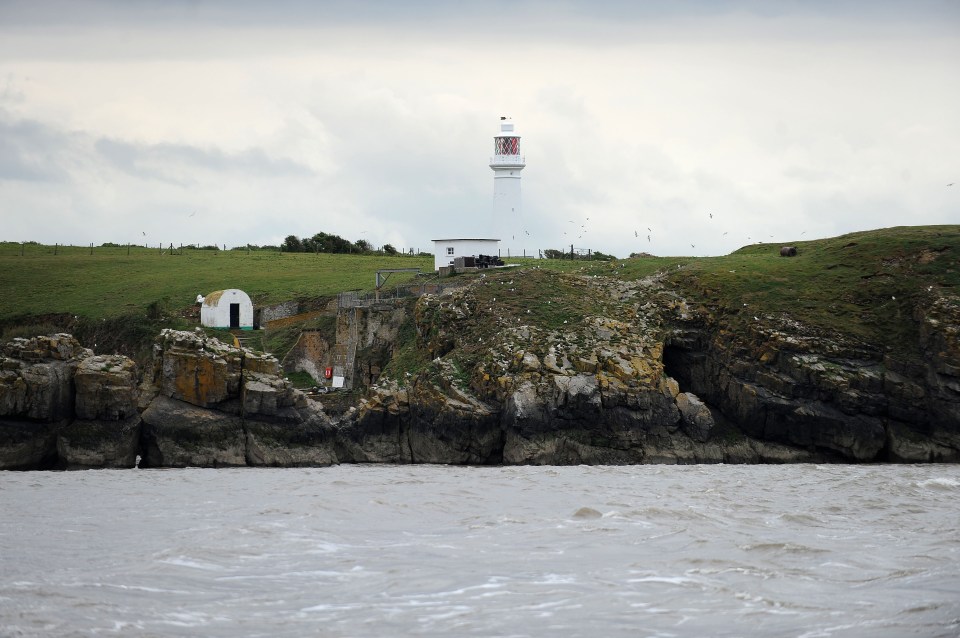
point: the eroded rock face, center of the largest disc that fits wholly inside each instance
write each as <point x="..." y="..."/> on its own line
<point x="178" y="434"/>
<point x="310" y="441"/>
<point x="219" y="405"/>
<point x="591" y="392"/>
<point x="27" y="445"/>
<point x="637" y="375"/>
<point x="106" y="388"/>
<point x="421" y="424"/>
<point x="601" y="388"/>
<point x="105" y="430"/>
<point x="36" y="397"/>
<point x="782" y="383"/>
<point x="190" y="367"/>
<point x="696" y="416"/>
<point x="36" y="377"/>
<point x="98" y="443"/>
<point x="203" y="403"/>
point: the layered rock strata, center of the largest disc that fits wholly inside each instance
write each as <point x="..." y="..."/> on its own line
<point x="653" y="378"/>
<point x="63" y="406"/>
<point x="633" y="374"/>
<point x="203" y="403"/>
<point x="216" y="405"/>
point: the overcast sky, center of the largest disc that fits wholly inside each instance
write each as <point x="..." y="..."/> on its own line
<point x="244" y="122"/>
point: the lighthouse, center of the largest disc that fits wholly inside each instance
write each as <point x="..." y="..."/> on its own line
<point x="507" y="164"/>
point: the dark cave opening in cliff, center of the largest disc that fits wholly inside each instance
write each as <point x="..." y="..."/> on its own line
<point x="678" y="363"/>
<point x="691" y="370"/>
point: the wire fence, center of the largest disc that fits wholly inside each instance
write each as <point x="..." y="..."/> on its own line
<point x="31" y="248"/>
<point x="357" y="299"/>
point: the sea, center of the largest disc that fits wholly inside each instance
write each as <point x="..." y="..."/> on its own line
<point x="807" y="551"/>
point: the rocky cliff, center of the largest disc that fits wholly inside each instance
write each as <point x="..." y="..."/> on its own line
<point x="202" y="403"/>
<point x="516" y="366"/>
<point x="61" y="405"/>
<point x="635" y="373"/>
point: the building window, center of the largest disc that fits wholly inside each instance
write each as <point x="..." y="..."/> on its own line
<point x="449" y="250"/>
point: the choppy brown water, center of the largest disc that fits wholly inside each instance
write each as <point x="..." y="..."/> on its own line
<point x="798" y="550"/>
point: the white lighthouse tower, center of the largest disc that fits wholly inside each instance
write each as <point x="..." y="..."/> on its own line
<point x="507" y="164"/>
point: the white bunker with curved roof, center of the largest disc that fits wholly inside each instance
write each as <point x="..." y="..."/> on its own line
<point x="230" y="308"/>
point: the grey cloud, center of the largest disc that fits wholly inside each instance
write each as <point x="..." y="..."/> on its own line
<point x="177" y="163"/>
<point x="523" y="15"/>
<point x="31" y="151"/>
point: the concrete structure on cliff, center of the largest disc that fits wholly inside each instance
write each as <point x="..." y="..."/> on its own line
<point x="229" y="308"/>
<point x="446" y="251"/>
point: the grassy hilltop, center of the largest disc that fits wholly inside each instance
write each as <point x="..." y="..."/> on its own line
<point x="107" y="282"/>
<point x="862" y="290"/>
<point x="119" y="299"/>
<point x="863" y="286"/>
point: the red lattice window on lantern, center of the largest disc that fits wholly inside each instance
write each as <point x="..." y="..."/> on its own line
<point x="507" y="145"/>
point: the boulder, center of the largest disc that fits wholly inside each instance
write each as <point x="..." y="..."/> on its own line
<point x="36" y="377"/>
<point x="311" y="442"/>
<point x="106" y="388"/>
<point x="36" y="398"/>
<point x="196" y="369"/>
<point x="268" y="395"/>
<point x="99" y="443"/>
<point x="179" y="434"/>
<point x="27" y="445"/>
<point x="423" y="423"/>
<point x="695" y="416"/>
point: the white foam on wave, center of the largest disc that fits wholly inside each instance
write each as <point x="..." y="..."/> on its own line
<point x="460" y="591"/>
<point x="143" y="588"/>
<point x="940" y="483"/>
<point x="183" y="561"/>
<point x="555" y="579"/>
<point x="666" y="580"/>
<point x="184" y="619"/>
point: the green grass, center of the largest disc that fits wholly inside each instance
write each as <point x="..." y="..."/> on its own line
<point x="109" y="283"/>
<point x="407" y="358"/>
<point x="301" y="380"/>
<point x="863" y="285"/>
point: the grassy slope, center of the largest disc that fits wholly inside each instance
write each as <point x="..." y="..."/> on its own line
<point x="864" y="286"/>
<point x="860" y="289"/>
<point x="109" y="283"/>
